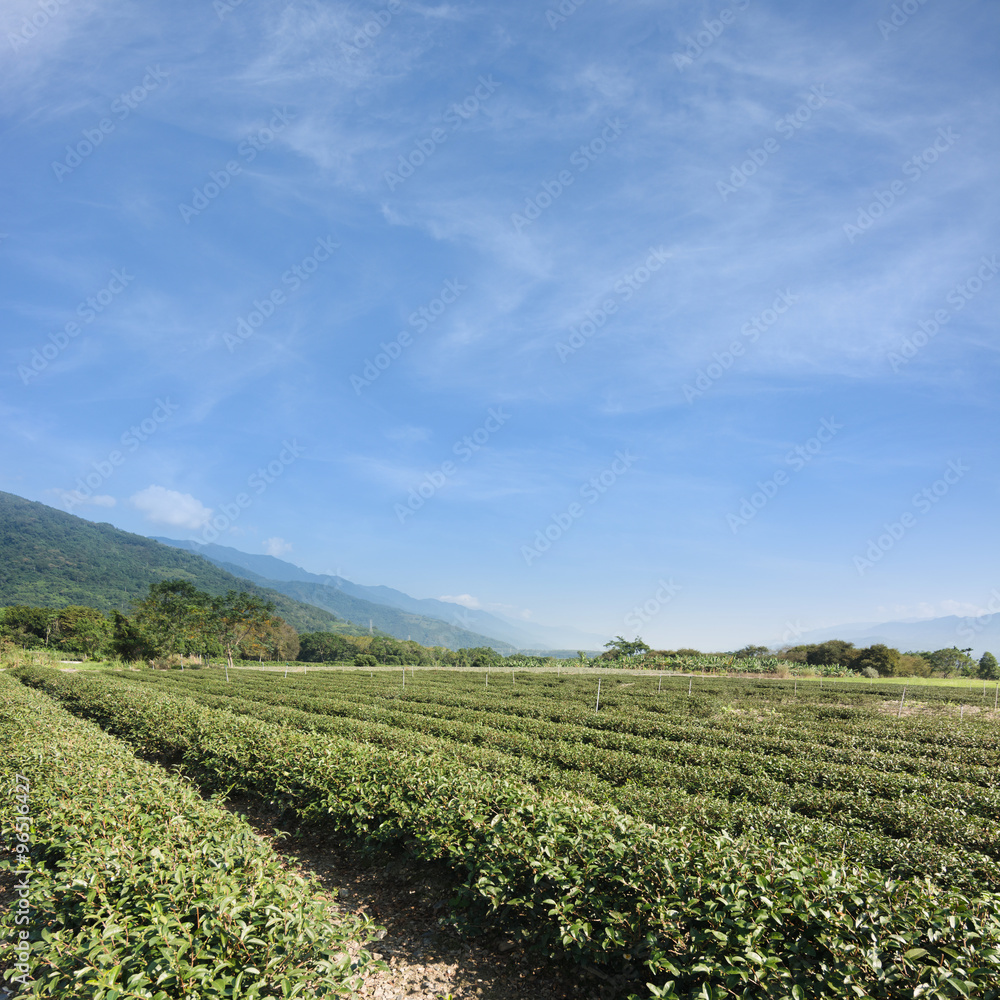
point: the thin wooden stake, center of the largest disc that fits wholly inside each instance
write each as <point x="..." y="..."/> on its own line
<point x="597" y="708"/>
<point x="404" y="677"/>
<point x="227" y="672"/>
<point x="690" y="682"/>
<point x="796" y="691"/>
<point x="659" y="687"/>
<point x="286" y="671"/>
<point x="901" y="700"/>
<point x="487" y="678"/>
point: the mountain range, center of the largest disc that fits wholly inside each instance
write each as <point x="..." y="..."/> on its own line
<point x="52" y="559"/>
<point x="392" y="610"/>
<point x="49" y="558"/>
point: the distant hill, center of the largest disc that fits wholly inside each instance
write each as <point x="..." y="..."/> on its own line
<point x="982" y="634"/>
<point x="517" y="634"/>
<point x="51" y="559"/>
<point x="312" y="589"/>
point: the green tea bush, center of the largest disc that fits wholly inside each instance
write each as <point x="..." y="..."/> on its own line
<point x="691" y="914"/>
<point x="140" y="889"/>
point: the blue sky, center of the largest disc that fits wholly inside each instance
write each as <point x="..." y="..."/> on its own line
<point x="656" y="318"/>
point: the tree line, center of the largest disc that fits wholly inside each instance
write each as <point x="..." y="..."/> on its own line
<point x="174" y="620"/>
<point x="877" y="660"/>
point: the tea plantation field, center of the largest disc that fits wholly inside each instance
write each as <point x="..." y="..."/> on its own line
<point x="700" y="837"/>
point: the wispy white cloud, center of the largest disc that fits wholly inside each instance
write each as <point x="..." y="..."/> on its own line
<point x="163" y="506"/>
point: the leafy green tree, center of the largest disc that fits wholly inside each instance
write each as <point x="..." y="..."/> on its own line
<point x="237" y="617"/>
<point x="952" y="660"/>
<point x="325" y="647"/>
<point x="833" y="651"/>
<point x="484" y="656"/>
<point x="621" y="648"/>
<point x="82" y="630"/>
<point x="129" y="641"/>
<point x="988" y="668"/>
<point x="749" y="652"/>
<point x="174" y="617"/>
<point x="878" y="657"/>
<point x="28" y="627"/>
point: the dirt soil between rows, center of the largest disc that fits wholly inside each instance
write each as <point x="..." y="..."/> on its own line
<point x="426" y="958"/>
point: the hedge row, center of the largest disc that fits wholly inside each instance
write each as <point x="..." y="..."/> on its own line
<point x="692" y="915"/>
<point x="137" y="888"/>
<point x="952" y="862"/>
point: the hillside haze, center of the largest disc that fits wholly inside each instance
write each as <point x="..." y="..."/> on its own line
<point x="49" y="558"/>
<point x="52" y="559"/>
<point x="273" y="572"/>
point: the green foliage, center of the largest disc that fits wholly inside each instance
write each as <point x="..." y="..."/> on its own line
<point x="620" y="647"/>
<point x="749" y="652"/>
<point x="831" y="852"/>
<point x="53" y="559"/>
<point x="988" y="669"/>
<point x="174" y="618"/>
<point x="832" y="651"/>
<point x="879" y="658"/>
<point x="952" y="660"/>
<point x="27" y="627"/>
<point x="138" y="888"/>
